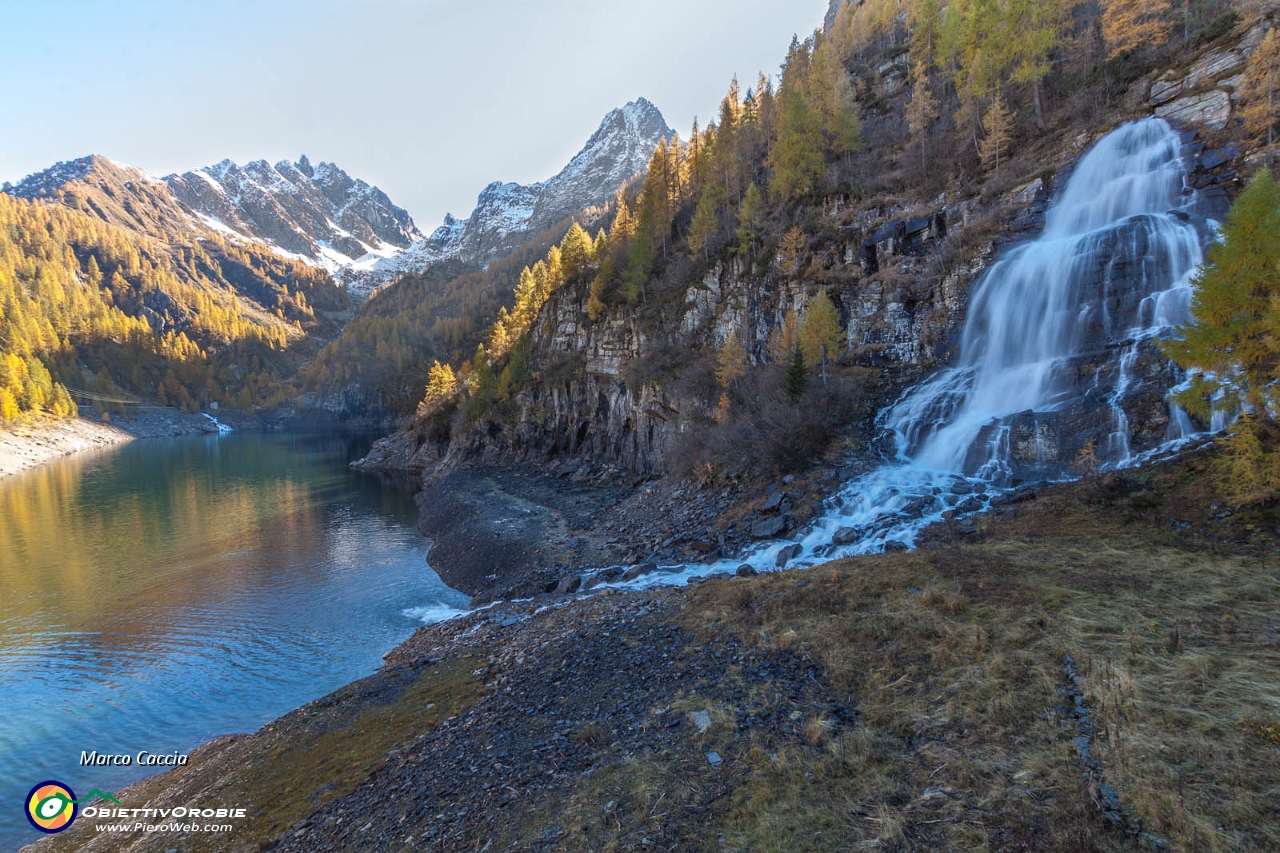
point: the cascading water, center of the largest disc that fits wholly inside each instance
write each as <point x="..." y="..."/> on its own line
<point x="1052" y="352"/>
<point x="1049" y="351"/>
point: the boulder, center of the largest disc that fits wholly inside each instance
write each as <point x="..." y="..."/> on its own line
<point x="746" y="571"/>
<point x="568" y="584"/>
<point x="789" y="553"/>
<point x="846" y="536"/>
<point x="1212" y="68"/>
<point x="639" y="570"/>
<point x="766" y="528"/>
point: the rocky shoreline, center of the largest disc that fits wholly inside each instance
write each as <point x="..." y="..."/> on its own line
<point x="510" y="531"/>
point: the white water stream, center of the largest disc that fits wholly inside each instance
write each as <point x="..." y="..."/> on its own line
<point x="1111" y="271"/>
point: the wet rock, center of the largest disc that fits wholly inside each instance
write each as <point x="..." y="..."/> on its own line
<point x="916" y="507"/>
<point x="893" y="546"/>
<point x="846" y="536"/>
<point x="600" y="577"/>
<point x="568" y="584"/>
<point x="766" y="528"/>
<point x="746" y="571"/>
<point x="639" y="570"/>
<point x="789" y="553"/>
<point x="969" y="505"/>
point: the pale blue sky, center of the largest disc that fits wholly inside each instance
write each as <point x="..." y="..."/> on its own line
<point x="428" y="99"/>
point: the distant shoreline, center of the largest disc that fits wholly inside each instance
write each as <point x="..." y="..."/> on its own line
<point x="35" y="441"/>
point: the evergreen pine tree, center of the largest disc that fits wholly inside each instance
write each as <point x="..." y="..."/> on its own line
<point x="751" y="219"/>
<point x="796" y="381"/>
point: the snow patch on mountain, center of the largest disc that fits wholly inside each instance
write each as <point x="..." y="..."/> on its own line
<point x="318" y="214"/>
<point x="507" y="213"/>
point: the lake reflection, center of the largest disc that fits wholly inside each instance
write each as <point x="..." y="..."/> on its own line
<point x="161" y="594"/>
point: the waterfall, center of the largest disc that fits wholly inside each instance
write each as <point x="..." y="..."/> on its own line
<point x="1056" y="354"/>
<point x="1049" y="354"/>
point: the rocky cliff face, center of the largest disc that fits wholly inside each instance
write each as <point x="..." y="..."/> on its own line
<point x="318" y="212"/>
<point x="903" y="277"/>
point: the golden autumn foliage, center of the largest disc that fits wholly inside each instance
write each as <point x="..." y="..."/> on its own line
<point x="152" y="321"/>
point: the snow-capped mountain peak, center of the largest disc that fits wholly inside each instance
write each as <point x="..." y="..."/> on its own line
<point x="319" y="213"/>
<point x="507" y="213"/>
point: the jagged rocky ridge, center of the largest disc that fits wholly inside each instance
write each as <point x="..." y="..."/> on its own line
<point x="508" y="213"/>
<point x="317" y="212"/>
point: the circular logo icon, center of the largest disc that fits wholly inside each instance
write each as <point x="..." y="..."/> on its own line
<point x="51" y="806"/>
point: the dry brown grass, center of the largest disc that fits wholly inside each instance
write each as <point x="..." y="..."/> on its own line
<point x="953" y="657"/>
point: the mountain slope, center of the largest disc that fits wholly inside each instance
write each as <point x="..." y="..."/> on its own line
<point x="317" y="212"/>
<point x="507" y="214"/>
<point x="117" y="194"/>
<point x="110" y="288"/>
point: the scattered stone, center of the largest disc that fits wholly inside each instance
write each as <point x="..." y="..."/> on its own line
<point x="714" y="759"/>
<point x="701" y="720"/>
<point x="772" y="502"/>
